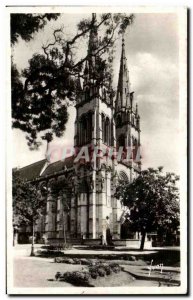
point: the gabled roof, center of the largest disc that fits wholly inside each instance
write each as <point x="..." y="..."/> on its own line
<point x="58" y="166"/>
<point x="32" y="171"/>
<point x="39" y="168"/>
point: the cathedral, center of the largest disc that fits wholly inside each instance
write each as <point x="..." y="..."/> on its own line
<point x="103" y="123"/>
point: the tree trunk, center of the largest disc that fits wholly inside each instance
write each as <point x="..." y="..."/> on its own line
<point x="143" y="234"/>
<point x="32" y="245"/>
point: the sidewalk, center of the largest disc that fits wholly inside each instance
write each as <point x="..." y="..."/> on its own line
<point x="169" y="274"/>
<point x="25" y="249"/>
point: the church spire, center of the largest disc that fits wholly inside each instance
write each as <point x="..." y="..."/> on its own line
<point x="122" y="100"/>
<point x="91" y="61"/>
<point x="93" y="37"/>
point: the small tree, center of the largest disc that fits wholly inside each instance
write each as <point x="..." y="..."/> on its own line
<point x="28" y="204"/>
<point x="153" y="202"/>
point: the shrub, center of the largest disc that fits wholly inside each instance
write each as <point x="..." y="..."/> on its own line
<point x="85" y="261"/>
<point x="94" y="275"/>
<point x="58" y="275"/>
<point x="132" y="258"/>
<point x="115" y="267"/>
<point x="108" y="270"/>
<point x="77" y="261"/>
<point x="68" y="261"/>
<point x="101" y="271"/>
<point x="77" y="278"/>
<point x="81" y="278"/>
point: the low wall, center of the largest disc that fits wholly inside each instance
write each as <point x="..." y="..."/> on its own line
<point x="72" y="241"/>
<point x="91" y="242"/>
<point x="129" y="243"/>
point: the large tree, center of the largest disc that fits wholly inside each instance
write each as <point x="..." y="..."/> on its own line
<point x="29" y="203"/>
<point x="52" y="80"/>
<point x="153" y="202"/>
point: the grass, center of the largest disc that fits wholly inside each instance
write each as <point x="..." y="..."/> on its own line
<point x="40" y="272"/>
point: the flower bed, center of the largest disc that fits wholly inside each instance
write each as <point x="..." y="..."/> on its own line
<point x="82" y="278"/>
<point x="57" y="247"/>
<point x="78" y="261"/>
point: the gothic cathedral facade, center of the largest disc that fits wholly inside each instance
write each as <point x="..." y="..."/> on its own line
<point x="102" y="122"/>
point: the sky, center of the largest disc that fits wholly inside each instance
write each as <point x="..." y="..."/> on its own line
<point x="152" y="52"/>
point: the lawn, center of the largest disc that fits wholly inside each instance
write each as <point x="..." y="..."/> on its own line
<point x="40" y="272"/>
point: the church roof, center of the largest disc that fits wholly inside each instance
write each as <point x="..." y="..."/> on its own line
<point x="33" y="171"/>
<point x="58" y="166"/>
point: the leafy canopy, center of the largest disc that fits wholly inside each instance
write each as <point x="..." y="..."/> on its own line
<point x="26" y="25"/>
<point x="152" y="199"/>
<point x="29" y="202"/>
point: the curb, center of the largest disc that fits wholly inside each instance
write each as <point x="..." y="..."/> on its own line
<point x="152" y="278"/>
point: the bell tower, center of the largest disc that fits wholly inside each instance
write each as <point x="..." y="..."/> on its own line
<point x="94" y="133"/>
<point x="127" y="118"/>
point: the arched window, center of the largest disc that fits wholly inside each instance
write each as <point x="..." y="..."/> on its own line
<point x="89" y="127"/>
<point x="85" y="129"/>
<point x="133" y="120"/>
<point x="87" y="94"/>
<point x="118" y="120"/>
<point x="79" y="132"/>
<point x="134" y="141"/>
<point x="121" y="141"/>
<point x="103" y="128"/>
<point x="107" y="132"/>
<point x="128" y="116"/>
<point x="137" y="123"/>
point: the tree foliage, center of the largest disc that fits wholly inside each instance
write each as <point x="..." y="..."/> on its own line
<point x="153" y="201"/>
<point x="29" y="203"/>
<point x="26" y="25"/>
<point x="51" y="81"/>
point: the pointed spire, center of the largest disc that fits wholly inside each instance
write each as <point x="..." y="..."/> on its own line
<point x="136" y="110"/>
<point x="93" y="38"/>
<point x="92" y="47"/>
<point x="122" y="100"/>
<point x="86" y="73"/>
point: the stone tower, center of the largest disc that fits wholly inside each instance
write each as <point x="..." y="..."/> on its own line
<point x="127" y="119"/>
<point x="94" y="129"/>
<point x="102" y="124"/>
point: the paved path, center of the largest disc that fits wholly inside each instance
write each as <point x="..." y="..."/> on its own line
<point x="26" y="249"/>
<point x="168" y="274"/>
